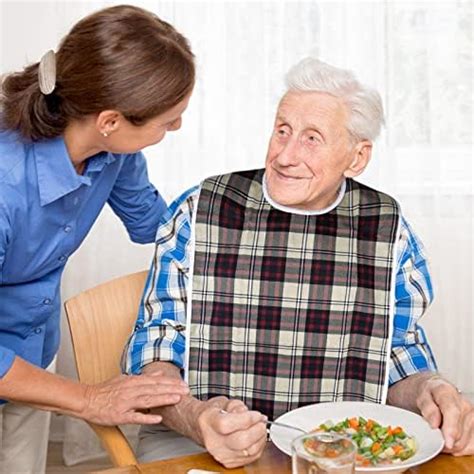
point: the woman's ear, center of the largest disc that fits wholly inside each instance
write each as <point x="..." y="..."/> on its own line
<point x="108" y="121"/>
<point x="361" y="157"/>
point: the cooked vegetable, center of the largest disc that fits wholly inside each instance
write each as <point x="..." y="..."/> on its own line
<point x="376" y="444"/>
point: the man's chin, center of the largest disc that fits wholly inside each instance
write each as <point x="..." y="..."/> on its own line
<point x="284" y="200"/>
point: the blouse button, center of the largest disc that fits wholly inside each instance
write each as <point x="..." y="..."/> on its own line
<point x="47" y="301"/>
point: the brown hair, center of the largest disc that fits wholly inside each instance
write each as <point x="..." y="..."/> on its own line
<point x="120" y="58"/>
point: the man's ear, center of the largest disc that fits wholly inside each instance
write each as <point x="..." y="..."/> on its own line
<point x="361" y="157"/>
<point x="108" y="121"/>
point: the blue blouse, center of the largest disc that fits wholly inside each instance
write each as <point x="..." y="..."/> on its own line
<point x="46" y="211"/>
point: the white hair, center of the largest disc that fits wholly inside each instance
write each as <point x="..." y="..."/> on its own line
<point x="364" y="104"/>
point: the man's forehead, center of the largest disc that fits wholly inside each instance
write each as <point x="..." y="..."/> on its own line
<point x="291" y="98"/>
<point x="310" y="103"/>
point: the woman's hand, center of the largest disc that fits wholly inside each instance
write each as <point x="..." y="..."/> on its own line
<point x="123" y="399"/>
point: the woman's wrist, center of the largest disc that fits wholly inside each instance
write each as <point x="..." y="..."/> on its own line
<point x="28" y="384"/>
<point x="80" y="401"/>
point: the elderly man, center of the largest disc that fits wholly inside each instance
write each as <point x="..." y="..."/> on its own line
<point x="276" y="288"/>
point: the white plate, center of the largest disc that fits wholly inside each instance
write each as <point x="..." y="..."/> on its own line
<point x="429" y="441"/>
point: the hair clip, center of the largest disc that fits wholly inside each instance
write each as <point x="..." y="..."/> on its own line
<point x="47" y="72"/>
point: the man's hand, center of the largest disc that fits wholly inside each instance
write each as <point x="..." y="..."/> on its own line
<point x="444" y="407"/>
<point x="232" y="434"/>
<point x="440" y="403"/>
<point x="118" y="400"/>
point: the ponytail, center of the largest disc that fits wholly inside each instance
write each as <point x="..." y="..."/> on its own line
<point x="120" y="58"/>
<point x="26" y="109"/>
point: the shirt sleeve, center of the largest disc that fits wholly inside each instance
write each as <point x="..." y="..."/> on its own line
<point x="136" y="201"/>
<point x="159" y="333"/>
<point x="410" y="352"/>
<point x="6" y="355"/>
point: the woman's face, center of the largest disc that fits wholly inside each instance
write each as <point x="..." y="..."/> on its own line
<point x="124" y="137"/>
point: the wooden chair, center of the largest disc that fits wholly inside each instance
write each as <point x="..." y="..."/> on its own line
<point x="101" y="320"/>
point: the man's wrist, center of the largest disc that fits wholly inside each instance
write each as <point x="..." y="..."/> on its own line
<point x="193" y="410"/>
<point x="435" y="379"/>
<point x="405" y="392"/>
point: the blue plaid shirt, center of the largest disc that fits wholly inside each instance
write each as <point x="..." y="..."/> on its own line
<point x="159" y="331"/>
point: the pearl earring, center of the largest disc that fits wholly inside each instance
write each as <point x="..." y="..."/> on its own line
<point x="105" y="134"/>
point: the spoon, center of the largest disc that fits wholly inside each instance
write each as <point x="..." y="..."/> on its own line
<point x="277" y="423"/>
<point x="284" y="425"/>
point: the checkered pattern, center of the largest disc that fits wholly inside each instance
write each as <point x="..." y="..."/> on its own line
<point x="290" y="309"/>
<point x="160" y="332"/>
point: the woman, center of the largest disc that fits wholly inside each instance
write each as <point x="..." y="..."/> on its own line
<point x="73" y="126"/>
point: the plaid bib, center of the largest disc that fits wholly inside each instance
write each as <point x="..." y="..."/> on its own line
<point x="290" y="309"/>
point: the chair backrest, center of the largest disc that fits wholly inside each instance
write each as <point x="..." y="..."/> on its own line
<point x="101" y="320"/>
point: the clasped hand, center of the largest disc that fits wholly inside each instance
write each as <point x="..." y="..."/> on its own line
<point x="231" y="433"/>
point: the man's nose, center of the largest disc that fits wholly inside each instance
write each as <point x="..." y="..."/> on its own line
<point x="289" y="154"/>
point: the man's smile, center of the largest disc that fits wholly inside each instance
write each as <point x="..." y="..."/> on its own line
<point x="288" y="177"/>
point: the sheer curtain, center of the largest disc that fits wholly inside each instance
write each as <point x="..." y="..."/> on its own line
<point x="418" y="55"/>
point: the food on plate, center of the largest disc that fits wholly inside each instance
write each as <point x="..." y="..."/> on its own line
<point x="376" y="444"/>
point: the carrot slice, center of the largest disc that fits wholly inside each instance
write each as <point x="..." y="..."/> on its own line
<point x="375" y="447"/>
<point x="354" y="423"/>
<point x="397" y="448"/>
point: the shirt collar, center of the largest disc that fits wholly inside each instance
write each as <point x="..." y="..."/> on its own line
<point x="292" y="210"/>
<point x="56" y="174"/>
<point x="96" y="163"/>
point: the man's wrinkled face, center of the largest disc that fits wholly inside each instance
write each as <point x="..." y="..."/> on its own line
<point x="310" y="150"/>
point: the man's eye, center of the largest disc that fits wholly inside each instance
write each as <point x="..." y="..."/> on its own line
<point x="314" y="139"/>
